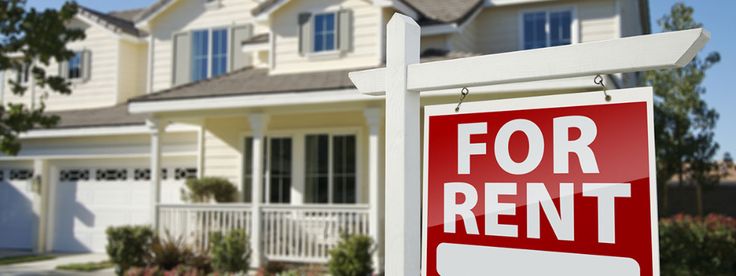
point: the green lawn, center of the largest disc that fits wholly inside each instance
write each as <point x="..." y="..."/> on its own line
<point x="86" y="267"/>
<point x="24" y="259"/>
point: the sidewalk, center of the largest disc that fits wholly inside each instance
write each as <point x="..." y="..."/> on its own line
<point x="48" y="267"/>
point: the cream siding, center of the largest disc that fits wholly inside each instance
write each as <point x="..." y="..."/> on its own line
<point x="499" y="28"/>
<point x="434" y="42"/>
<point x="133" y="70"/>
<point x="185" y="16"/>
<point x="467" y="39"/>
<point x="365" y="38"/>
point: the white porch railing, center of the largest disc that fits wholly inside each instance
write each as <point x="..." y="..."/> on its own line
<point x="307" y="233"/>
<point x="195" y="222"/>
<point x="293" y="233"/>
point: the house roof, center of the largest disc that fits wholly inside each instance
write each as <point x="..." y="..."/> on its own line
<point x="107" y="116"/>
<point x="118" y="22"/>
<point x="257" y="81"/>
<point x="431" y="11"/>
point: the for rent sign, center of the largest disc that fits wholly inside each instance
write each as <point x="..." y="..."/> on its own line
<point x="553" y="185"/>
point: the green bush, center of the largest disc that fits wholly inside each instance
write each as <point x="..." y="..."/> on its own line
<point x="352" y="256"/>
<point x="697" y="246"/>
<point x="208" y="188"/>
<point x="230" y="252"/>
<point x="127" y="246"/>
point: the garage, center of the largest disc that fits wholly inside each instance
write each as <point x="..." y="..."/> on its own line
<point x="90" y="199"/>
<point x="16" y="209"/>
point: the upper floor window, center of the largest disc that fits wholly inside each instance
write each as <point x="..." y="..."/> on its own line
<point x="23" y="74"/>
<point x="547" y="28"/>
<point x="324" y="32"/>
<point x="78" y="67"/>
<point x="209" y="53"/>
<point x="74" y="68"/>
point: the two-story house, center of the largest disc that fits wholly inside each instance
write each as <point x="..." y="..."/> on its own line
<point x="255" y="91"/>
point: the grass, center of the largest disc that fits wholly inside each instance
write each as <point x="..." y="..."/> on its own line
<point x="25" y="259"/>
<point x="86" y="267"/>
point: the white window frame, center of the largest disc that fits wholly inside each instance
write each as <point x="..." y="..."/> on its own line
<point x="574" y="31"/>
<point x="334" y="32"/>
<point x="298" y="169"/>
<point x="210" y="53"/>
<point x="80" y="78"/>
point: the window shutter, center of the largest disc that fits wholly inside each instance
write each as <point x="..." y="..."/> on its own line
<point x="345" y="30"/>
<point x="86" y="65"/>
<point x="182" y="58"/>
<point x="64" y="69"/>
<point x="238" y="59"/>
<point x="305" y="33"/>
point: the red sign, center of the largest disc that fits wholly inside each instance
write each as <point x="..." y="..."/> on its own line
<point x="552" y="185"/>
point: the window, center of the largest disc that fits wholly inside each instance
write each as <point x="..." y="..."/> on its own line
<point x="74" y="67"/>
<point x="330" y="169"/>
<point x="545" y="29"/>
<point x="23" y="74"/>
<point x="209" y="53"/>
<point x="279" y="186"/>
<point x="200" y="54"/>
<point x="324" y="32"/>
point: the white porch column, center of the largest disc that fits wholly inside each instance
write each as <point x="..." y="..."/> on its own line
<point x="403" y="175"/>
<point x="373" y="117"/>
<point x="40" y="187"/>
<point x="157" y="128"/>
<point x="258" y="124"/>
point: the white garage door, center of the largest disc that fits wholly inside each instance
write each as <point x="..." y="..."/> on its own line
<point x="16" y="209"/>
<point x="88" y="200"/>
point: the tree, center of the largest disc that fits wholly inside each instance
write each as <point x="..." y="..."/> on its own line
<point x="683" y="121"/>
<point x="29" y="41"/>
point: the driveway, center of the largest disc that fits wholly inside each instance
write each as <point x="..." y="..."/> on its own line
<point x="48" y="267"/>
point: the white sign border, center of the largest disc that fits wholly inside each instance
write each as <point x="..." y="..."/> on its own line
<point x="629" y="95"/>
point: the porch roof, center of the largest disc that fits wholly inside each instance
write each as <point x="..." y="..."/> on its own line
<point x="106" y="116"/>
<point x="250" y="81"/>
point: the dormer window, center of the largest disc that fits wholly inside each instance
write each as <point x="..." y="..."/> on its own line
<point x="547" y="28"/>
<point x="324" y="32"/>
<point x="78" y="67"/>
<point x="321" y="34"/>
<point x="74" y="68"/>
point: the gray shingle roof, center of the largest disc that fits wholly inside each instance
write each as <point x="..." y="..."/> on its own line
<point x="107" y="116"/>
<point x="115" y="21"/>
<point x="257" y="81"/>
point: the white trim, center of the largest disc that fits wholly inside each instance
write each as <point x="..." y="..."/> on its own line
<point x="264" y="15"/>
<point x="440" y="29"/>
<point x="574" y="29"/>
<point x="100" y="131"/>
<point x="254" y="47"/>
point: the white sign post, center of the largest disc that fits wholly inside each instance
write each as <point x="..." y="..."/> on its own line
<point x="404" y="77"/>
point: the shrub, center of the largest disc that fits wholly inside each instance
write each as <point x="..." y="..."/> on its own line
<point x="352" y="256"/>
<point x="169" y="253"/>
<point x="230" y="252"/>
<point x="127" y="246"/>
<point x="208" y="188"/>
<point x="698" y="246"/>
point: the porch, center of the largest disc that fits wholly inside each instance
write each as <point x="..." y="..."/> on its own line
<point x="288" y="233"/>
<point x="304" y="178"/>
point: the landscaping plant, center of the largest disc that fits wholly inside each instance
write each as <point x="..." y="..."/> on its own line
<point x="697" y="246"/>
<point x="169" y="252"/>
<point x="352" y="256"/>
<point x="127" y="246"/>
<point x="205" y="189"/>
<point x="230" y="252"/>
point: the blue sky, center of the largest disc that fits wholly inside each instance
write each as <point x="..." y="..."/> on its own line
<point x="716" y="16"/>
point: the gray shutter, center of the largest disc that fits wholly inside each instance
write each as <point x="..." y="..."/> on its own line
<point x="345" y="30"/>
<point x="238" y="59"/>
<point x="305" y="33"/>
<point x="182" y="58"/>
<point x="64" y="69"/>
<point x="86" y="65"/>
